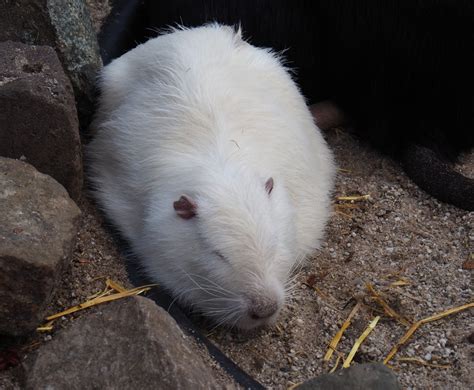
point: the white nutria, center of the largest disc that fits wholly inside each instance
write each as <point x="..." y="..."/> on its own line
<point x="208" y="161"/>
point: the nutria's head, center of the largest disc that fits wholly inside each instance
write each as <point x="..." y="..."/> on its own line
<point x="227" y="249"/>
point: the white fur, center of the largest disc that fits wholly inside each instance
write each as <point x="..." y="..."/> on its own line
<point x="203" y="113"/>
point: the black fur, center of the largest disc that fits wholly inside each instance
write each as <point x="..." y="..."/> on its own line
<point x="401" y="69"/>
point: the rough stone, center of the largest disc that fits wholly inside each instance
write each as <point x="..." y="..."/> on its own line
<point x="37" y="232"/>
<point x="368" y="376"/>
<point x="127" y="344"/>
<point x="64" y="25"/>
<point x="38" y="118"/>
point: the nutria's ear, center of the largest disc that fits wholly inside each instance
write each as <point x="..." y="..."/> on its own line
<point x="185" y="207"/>
<point x="269" y="185"/>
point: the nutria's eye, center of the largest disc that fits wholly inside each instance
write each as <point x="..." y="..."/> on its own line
<point x="269" y="185"/>
<point x="220" y="255"/>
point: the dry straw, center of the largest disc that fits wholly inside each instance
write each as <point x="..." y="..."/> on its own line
<point x="107" y="295"/>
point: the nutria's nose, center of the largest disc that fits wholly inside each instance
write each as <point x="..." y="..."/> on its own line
<point x="263" y="307"/>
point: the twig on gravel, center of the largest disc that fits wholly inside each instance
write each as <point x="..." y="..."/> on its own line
<point x="359" y="341"/>
<point x="344" y="214"/>
<point x="338" y="335"/>
<point x="336" y="365"/>
<point x="324" y="297"/>
<point x="102" y="297"/>
<point x="46" y="327"/>
<point x="422" y="362"/>
<point x="410" y="296"/>
<point x="350" y="204"/>
<point x="344" y="170"/>
<point x="355" y="198"/>
<point x="110" y="286"/>
<point x="99" y="300"/>
<point x="388" y="310"/>
<point x="115" y="286"/>
<point x="400" y="283"/>
<point x="294" y="386"/>
<point x="416" y="325"/>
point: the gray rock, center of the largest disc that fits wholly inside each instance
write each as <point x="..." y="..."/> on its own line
<point x="127" y="344"/>
<point x="38" y="118"/>
<point x="368" y="376"/>
<point x="64" y="25"/>
<point x="37" y="232"/>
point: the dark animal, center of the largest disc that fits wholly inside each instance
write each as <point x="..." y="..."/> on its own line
<point x="401" y="70"/>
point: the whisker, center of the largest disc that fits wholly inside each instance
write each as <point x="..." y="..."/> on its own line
<point x="225" y="320"/>
<point x="196" y="283"/>
<point x="180" y="295"/>
<point x="225" y="299"/>
<point x="215" y="284"/>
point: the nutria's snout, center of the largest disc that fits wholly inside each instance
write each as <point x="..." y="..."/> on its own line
<point x="262" y="308"/>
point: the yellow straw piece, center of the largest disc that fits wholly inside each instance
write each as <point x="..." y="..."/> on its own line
<point x="96" y="299"/>
<point x="343" y="214"/>
<point x="353" y="198"/>
<point x="115" y="286"/>
<point x="294" y="386"/>
<point x="338" y="335"/>
<point x="422" y="362"/>
<point x="416" y="325"/>
<point x="448" y="312"/>
<point x="388" y="310"/>
<point x="99" y="300"/>
<point x="402" y="341"/>
<point x="106" y="291"/>
<point x="359" y="341"/>
<point x="110" y="286"/>
<point x="336" y="365"/>
<point x="46" y="327"/>
<point x="400" y="283"/>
